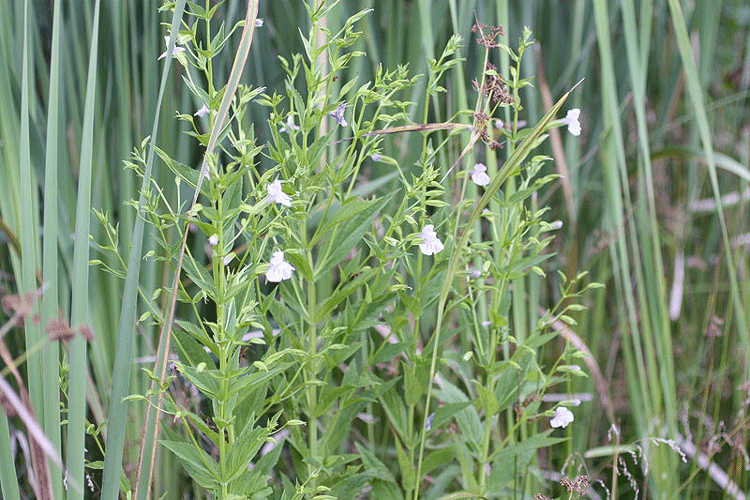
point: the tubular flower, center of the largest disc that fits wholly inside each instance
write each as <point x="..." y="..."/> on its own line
<point x="279" y="269"/>
<point x="479" y="175"/>
<point x="430" y="244"/>
<point x="276" y="195"/>
<point x="202" y="112"/>
<point x="571" y="120"/>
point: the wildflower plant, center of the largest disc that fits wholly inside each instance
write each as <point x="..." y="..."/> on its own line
<point x="339" y="336"/>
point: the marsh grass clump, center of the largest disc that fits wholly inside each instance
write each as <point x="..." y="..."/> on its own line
<point x="347" y="255"/>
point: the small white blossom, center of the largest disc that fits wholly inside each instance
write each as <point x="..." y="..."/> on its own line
<point x="562" y="418"/>
<point x="476" y="273"/>
<point x="571" y="120"/>
<point x="479" y="175"/>
<point x="213" y="240"/>
<point x="499" y="124"/>
<point x="289" y="125"/>
<point x="338" y="113"/>
<point x="276" y="195"/>
<point x="430" y="244"/>
<point x="202" y="112"/>
<point x="279" y="269"/>
<point x="175" y="50"/>
<point x="258" y="23"/>
<point x="376" y="157"/>
<point x="228" y="258"/>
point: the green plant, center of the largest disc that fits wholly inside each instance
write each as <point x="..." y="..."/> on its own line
<point x="360" y="325"/>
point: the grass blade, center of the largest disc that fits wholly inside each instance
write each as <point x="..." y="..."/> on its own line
<point x="50" y="304"/>
<point x="80" y="299"/>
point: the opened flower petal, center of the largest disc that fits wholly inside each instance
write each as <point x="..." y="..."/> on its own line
<point x="175" y="50"/>
<point x="289" y="125"/>
<point x="479" y="175"/>
<point x="571" y="120"/>
<point x="562" y="417"/>
<point x="338" y="113"/>
<point x="430" y="244"/>
<point x="279" y="269"/>
<point x="202" y="112"/>
<point x="276" y="195"/>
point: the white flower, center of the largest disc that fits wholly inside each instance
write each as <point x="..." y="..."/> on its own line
<point x="499" y="124"/>
<point x="175" y="50"/>
<point x="476" y="273"/>
<point x="562" y="418"/>
<point x="279" y="269"/>
<point x="338" y="113"/>
<point x="571" y="120"/>
<point x="258" y="23"/>
<point x="276" y="195"/>
<point x="202" y="112"/>
<point x="289" y="125"/>
<point x="479" y="175"/>
<point x="213" y="240"/>
<point x="430" y="244"/>
<point x="376" y="157"/>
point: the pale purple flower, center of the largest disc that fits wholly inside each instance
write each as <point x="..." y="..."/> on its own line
<point x="376" y="157"/>
<point x="499" y="124"/>
<point x="430" y="244"/>
<point x="338" y="113"/>
<point x="289" y="125"/>
<point x="479" y="175"/>
<point x="562" y="418"/>
<point x="571" y="120"/>
<point x="202" y="112"/>
<point x="476" y="273"/>
<point x="258" y="23"/>
<point x="428" y="424"/>
<point x="175" y="50"/>
<point x="205" y="173"/>
<point x="228" y="258"/>
<point x="213" y="240"/>
<point x="276" y="195"/>
<point x="279" y="269"/>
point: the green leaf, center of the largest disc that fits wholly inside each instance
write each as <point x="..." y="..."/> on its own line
<point x="512" y="460"/>
<point x="191" y="353"/>
<point x="197" y="463"/>
<point x="348" y="233"/>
